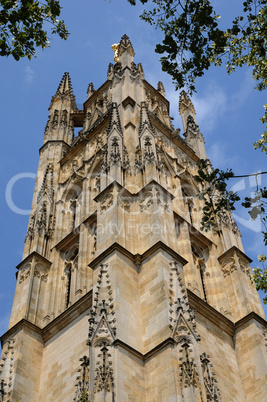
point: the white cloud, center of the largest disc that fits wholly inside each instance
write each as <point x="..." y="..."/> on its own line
<point x="246" y="88"/>
<point x="210" y="107"/>
<point x="29" y="74"/>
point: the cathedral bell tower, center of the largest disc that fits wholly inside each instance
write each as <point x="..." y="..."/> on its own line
<point x="119" y="295"/>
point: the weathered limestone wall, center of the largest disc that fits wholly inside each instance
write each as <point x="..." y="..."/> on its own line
<point x="129" y="376"/>
<point x="250" y="350"/>
<point x="218" y="344"/>
<point x="162" y="376"/>
<point x="61" y="361"/>
<point x="125" y="292"/>
<point x="154" y="300"/>
<point x="24" y="371"/>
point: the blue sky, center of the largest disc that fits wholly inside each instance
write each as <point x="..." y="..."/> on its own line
<point x="228" y="112"/>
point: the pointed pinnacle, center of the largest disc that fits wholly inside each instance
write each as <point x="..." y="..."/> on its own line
<point x="185" y="102"/>
<point x="65" y="84"/>
<point x="125" y="45"/>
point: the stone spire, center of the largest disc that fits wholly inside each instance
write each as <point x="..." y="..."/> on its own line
<point x="59" y="125"/>
<point x="192" y="134"/>
<point x="125" y="51"/>
<point x="65" y="86"/>
<point x="186" y="109"/>
<point x="65" y="92"/>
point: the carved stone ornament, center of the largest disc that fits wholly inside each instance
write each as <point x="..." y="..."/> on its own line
<point x="105" y="165"/>
<point x="124" y="202"/>
<point x="55" y="119"/>
<point x="64" y="118"/>
<point x="115" y="155"/>
<point x="104" y="379"/>
<point x="102" y="332"/>
<point x="7" y="369"/>
<point x="24" y="273"/>
<point x="265" y="339"/>
<point x="192" y="130"/>
<point x="188" y="371"/>
<point x="244" y="266"/>
<point x="125" y="160"/>
<point x="138" y="166"/>
<point x="102" y="320"/>
<point x="154" y="197"/>
<point x="185" y="103"/>
<point x="106" y="202"/>
<point x="210" y="382"/>
<point x="81" y="394"/>
<point x="227" y="220"/>
<point x="149" y="156"/>
<point x="41" y="272"/>
<point x="181" y="315"/>
<point x="228" y="266"/>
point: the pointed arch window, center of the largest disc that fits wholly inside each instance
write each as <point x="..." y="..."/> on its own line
<point x="70" y="271"/>
<point x="73" y="205"/>
<point x="64" y="118"/>
<point x="202" y="271"/>
<point x="188" y="195"/>
<point x="55" y="118"/>
<point x="199" y="261"/>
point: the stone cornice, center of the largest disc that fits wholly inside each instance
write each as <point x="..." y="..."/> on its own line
<point x="163" y="345"/>
<point x="87" y="136"/>
<point x="22" y="324"/>
<point x="34" y="254"/>
<point x="72" y="235"/>
<point x="79" y="116"/>
<point x="158" y="94"/>
<point x="232" y="250"/>
<point x="96" y="94"/>
<point x="159" y="124"/>
<point x="112" y="185"/>
<point x="219" y="319"/>
<point x="90" y="219"/>
<point x="176" y="140"/>
<point x="70" y="238"/>
<point x="69" y="315"/>
<point x="194" y="232"/>
<point x="249" y="317"/>
<point x="138" y="259"/>
<point x="55" y="326"/>
<point x="210" y="313"/>
<point x="73" y="151"/>
<point x="53" y="141"/>
<point x="127" y="193"/>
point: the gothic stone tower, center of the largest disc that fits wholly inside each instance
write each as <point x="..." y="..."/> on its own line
<point x="120" y="296"/>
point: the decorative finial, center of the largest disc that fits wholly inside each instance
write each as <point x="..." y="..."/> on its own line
<point x="115" y="49"/>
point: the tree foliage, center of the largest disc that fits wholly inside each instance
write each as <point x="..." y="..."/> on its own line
<point x="23" y="26"/>
<point x="217" y="200"/>
<point x="259" y="276"/>
<point x="193" y="40"/>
